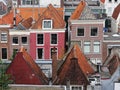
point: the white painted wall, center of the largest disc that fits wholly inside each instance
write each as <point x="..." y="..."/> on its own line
<point x="117" y="86"/>
<point x="109" y="6"/>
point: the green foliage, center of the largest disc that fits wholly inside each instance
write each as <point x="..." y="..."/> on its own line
<point x="4" y="78"/>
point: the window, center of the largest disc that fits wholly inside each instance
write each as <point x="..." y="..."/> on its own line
<point x="4" y="53"/>
<point x="15" y="40"/>
<point x="24" y="40"/>
<point x="76" y="87"/>
<point x="80" y="32"/>
<point x="87" y="47"/>
<point x="40" y="53"/>
<point x="96" y="47"/>
<point x="39" y="38"/>
<point x="30" y="2"/>
<point x="53" y="38"/>
<point x="3" y="37"/>
<point x="47" y="24"/>
<point x="51" y="51"/>
<point x="94" y="31"/>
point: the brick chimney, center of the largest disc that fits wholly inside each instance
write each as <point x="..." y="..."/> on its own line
<point x="54" y="63"/>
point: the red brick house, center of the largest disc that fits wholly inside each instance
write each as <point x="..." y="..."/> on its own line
<point x="48" y="32"/>
<point x="86" y="29"/>
<point x="24" y="70"/>
<point x="74" y="69"/>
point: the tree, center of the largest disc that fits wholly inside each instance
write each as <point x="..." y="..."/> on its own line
<point x="4" y="78"/>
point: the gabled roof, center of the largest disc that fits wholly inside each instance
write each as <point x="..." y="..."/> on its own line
<point x="103" y="1"/>
<point x="78" y="11"/>
<point x="82" y="12"/>
<point x="8" y="18"/>
<point x="24" y="66"/>
<point x="53" y="14"/>
<point x="116" y="12"/>
<point x="78" y="67"/>
<point x="113" y="60"/>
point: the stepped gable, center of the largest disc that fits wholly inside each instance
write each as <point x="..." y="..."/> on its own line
<point x="24" y="70"/>
<point x="50" y="14"/>
<point x="75" y="68"/>
<point x="8" y="18"/>
<point x="116" y="12"/>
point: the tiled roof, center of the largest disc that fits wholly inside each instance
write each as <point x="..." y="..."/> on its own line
<point x="77" y="13"/>
<point x="113" y="60"/>
<point x="27" y="23"/>
<point x="116" y="12"/>
<point x="8" y="18"/>
<point x="81" y="65"/>
<point x="103" y="1"/>
<point x="23" y="57"/>
<point x="53" y="14"/>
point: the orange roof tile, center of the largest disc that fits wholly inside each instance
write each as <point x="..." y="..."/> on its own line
<point x="27" y="23"/>
<point x="53" y="14"/>
<point x="76" y="14"/>
<point x="84" y="66"/>
<point x="116" y="12"/>
<point x="8" y="18"/>
<point x="103" y="1"/>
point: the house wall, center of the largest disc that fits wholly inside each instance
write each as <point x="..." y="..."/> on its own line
<point x="4" y="44"/>
<point x="19" y="34"/>
<point x="47" y="46"/>
<point x="109" y="6"/>
<point x="87" y="37"/>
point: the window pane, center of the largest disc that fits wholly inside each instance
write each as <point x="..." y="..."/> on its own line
<point x="80" y="32"/>
<point x="53" y="38"/>
<point x="40" y="53"/>
<point x="40" y="39"/>
<point x="15" y="40"/>
<point x="94" y="31"/>
<point x="47" y="24"/>
<point x="3" y="36"/>
<point x="96" y="47"/>
<point x="86" y="47"/>
<point x="4" y="53"/>
<point x="24" y="40"/>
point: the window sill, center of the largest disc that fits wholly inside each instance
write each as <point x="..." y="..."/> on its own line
<point x="3" y="41"/>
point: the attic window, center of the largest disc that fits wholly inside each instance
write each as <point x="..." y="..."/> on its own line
<point x="47" y="24"/>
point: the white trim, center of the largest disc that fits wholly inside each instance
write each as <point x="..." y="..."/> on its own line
<point x="51" y="24"/>
<point x="6" y="53"/>
<point x="111" y="41"/>
<point x="97" y="21"/>
<point x="19" y="32"/>
<point x="76" y="86"/>
<point x="97" y="31"/>
<point x="37" y="53"/>
<point x="81" y="27"/>
<point x="43" y="39"/>
<point x="47" y="31"/>
<point x="50" y="39"/>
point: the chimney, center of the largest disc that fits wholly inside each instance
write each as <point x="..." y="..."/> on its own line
<point x="54" y="63"/>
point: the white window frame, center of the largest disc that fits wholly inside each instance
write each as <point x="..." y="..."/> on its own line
<point x="37" y="39"/>
<point x="30" y="2"/>
<point x="77" y="32"/>
<point x="76" y="86"/>
<point x="96" y="46"/>
<point x="51" y="38"/>
<point x="56" y="52"/>
<point x="26" y="42"/>
<point x="6" y="53"/>
<point x="15" y="43"/>
<point x="91" y="32"/>
<point x="87" y="44"/>
<point x="4" y="38"/>
<point x="46" y="27"/>
<point x="37" y="53"/>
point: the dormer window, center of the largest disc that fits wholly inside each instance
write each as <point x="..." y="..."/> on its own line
<point x="47" y="24"/>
